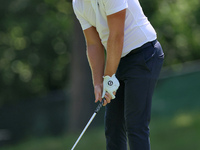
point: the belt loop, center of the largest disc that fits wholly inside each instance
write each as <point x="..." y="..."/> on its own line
<point x="154" y="42"/>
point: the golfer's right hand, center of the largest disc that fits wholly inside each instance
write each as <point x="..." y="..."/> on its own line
<point x="98" y="94"/>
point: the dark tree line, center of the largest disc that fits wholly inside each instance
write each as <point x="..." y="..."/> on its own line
<point x="35" y="48"/>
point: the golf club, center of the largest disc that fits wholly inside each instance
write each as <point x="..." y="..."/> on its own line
<point x="89" y="122"/>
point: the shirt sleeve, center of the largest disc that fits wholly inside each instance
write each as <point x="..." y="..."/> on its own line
<point x="113" y="6"/>
<point x="84" y="23"/>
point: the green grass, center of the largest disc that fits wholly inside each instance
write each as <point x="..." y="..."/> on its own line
<point x="179" y="132"/>
<point x="92" y="139"/>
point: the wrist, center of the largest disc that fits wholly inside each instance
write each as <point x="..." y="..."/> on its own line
<point x="98" y="85"/>
<point x="98" y="81"/>
<point x="109" y="73"/>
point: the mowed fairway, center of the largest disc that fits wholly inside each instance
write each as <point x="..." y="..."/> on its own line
<point x="181" y="132"/>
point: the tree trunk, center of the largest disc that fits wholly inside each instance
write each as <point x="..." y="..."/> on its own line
<point x="82" y="93"/>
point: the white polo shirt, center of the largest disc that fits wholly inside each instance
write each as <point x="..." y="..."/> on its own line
<point x="137" y="31"/>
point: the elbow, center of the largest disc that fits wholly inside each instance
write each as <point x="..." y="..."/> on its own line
<point x="116" y="40"/>
<point x="117" y="36"/>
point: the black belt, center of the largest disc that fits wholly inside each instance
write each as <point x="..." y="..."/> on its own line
<point x="134" y="51"/>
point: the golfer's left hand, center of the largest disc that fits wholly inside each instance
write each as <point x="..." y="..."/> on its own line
<point x="110" y="86"/>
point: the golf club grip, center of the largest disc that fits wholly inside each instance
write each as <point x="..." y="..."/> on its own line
<point x="99" y="106"/>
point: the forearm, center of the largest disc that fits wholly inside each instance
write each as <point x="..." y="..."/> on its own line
<point x="96" y="58"/>
<point x="115" y="41"/>
<point x="114" y="52"/>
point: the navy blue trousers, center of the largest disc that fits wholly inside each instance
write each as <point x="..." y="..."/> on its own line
<point x="128" y="116"/>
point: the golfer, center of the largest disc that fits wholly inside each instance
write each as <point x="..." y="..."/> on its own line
<point x="128" y="73"/>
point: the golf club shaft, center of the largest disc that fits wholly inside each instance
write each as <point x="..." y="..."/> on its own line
<point x="84" y="130"/>
<point x="89" y="122"/>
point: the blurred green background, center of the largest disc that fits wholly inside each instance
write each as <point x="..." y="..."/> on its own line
<point x="46" y="93"/>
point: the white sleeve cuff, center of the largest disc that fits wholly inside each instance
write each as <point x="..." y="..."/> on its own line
<point x="85" y="26"/>
<point x="115" y="10"/>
